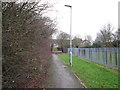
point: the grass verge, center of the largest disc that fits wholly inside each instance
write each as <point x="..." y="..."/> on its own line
<point x="93" y="75"/>
<point x="56" y="51"/>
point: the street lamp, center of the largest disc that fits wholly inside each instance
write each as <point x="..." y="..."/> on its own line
<point x="70" y="33"/>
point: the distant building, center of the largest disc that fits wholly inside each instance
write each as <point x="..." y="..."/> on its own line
<point x="85" y="43"/>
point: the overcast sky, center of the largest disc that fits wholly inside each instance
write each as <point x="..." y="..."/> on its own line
<point x="88" y="16"/>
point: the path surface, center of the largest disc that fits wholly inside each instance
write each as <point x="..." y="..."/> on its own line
<point x="60" y="76"/>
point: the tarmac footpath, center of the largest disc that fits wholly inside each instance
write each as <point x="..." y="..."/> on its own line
<point x="60" y="76"/>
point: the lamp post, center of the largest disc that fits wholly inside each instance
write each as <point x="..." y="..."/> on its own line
<point x="70" y="34"/>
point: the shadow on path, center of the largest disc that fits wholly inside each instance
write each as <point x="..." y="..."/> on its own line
<point x="60" y="76"/>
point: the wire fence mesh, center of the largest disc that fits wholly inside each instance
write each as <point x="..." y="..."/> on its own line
<point x="105" y="56"/>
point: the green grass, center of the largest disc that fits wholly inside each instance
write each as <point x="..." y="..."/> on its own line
<point x="56" y="51"/>
<point x="91" y="74"/>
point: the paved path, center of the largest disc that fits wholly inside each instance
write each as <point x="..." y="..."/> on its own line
<point x="60" y="76"/>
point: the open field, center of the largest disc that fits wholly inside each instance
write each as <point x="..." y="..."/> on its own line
<point x="91" y="74"/>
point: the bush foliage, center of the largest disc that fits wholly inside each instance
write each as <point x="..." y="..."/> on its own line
<point x="26" y="37"/>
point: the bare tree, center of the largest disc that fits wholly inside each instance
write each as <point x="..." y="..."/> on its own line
<point x="63" y="41"/>
<point x="77" y="42"/>
<point x="89" y="38"/>
<point x="105" y="35"/>
<point x="116" y="38"/>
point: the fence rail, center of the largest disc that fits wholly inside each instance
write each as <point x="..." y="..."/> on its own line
<point x="106" y="56"/>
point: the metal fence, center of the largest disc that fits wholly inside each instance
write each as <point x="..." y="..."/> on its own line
<point x="106" y="56"/>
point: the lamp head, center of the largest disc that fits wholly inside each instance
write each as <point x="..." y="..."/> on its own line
<point x="68" y="6"/>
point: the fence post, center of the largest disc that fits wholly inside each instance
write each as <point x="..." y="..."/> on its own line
<point x="105" y="55"/>
<point x="118" y="51"/>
